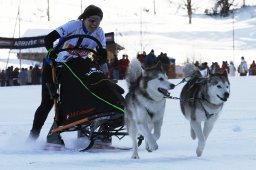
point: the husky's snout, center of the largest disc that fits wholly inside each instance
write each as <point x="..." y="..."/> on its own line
<point x="165" y="91"/>
<point x="226" y="95"/>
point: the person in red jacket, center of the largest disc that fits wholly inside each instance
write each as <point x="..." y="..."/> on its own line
<point x="124" y="63"/>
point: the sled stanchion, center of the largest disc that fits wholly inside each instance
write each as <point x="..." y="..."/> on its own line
<point x="55" y="96"/>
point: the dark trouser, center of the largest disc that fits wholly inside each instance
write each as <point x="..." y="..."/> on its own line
<point x="46" y="102"/>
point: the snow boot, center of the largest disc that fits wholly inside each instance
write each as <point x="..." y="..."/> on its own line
<point x="54" y="138"/>
<point x="33" y="136"/>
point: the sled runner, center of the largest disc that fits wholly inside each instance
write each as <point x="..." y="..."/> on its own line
<point x="94" y="148"/>
<point x="85" y="100"/>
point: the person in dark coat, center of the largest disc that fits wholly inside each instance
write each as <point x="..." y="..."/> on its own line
<point x="164" y="59"/>
<point x="150" y="59"/>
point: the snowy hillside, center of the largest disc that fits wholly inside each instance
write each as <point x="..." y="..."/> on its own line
<point x="137" y="28"/>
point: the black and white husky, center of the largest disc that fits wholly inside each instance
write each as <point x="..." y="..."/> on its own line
<point x="202" y="99"/>
<point x="145" y="103"/>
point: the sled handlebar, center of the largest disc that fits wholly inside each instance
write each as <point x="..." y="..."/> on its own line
<point x="80" y="39"/>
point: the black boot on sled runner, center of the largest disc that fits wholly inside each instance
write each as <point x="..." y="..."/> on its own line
<point x="54" y="138"/>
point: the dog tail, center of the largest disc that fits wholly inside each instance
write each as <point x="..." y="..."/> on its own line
<point x="190" y="71"/>
<point x="134" y="72"/>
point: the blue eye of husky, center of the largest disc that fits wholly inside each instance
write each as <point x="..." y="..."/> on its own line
<point x="219" y="86"/>
<point x="161" y="79"/>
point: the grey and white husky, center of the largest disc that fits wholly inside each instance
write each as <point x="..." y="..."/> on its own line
<point x="145" y="103"/>
<point x="202" y="99"/>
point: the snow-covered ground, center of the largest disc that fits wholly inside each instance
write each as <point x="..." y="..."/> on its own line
<point x="230" y="146"/>
<point x="137" y="28"/>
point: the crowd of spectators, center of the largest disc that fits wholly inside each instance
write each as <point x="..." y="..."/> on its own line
<point x="14" y="76"/>
<point x="242" y="69"/>
<point x="116" y="69"/>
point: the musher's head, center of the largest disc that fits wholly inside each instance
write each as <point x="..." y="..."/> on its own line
<point x="92" y="17"/>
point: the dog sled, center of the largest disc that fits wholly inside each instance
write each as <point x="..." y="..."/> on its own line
<point x="85" y="100"/>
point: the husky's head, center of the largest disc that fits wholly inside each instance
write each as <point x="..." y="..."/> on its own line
<point x="190" y="71"/>
<point x="218" y="88"/>
<point x="155" y="82"/>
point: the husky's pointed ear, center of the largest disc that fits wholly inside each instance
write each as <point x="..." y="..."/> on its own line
<point x="159" y="66"/>
<point x="225" y="73"/>
<point x="210" y="74"/>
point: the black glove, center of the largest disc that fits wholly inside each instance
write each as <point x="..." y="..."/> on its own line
<point x="102" y="55"/>
<point x="52" y="54"/>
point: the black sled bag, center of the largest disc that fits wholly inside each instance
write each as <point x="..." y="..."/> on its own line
<point x="85" y="91"/>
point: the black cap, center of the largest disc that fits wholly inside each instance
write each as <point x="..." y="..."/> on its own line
<point x="90" y="11"/>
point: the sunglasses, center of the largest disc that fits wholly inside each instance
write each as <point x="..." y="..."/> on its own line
<point x="93" y="20"/>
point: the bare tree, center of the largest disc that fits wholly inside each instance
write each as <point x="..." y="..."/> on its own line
<point x="224" y="6"/>
<point x="188" y="5"/>
<point x="48" y="10"/>
<point x="243" y="3"/>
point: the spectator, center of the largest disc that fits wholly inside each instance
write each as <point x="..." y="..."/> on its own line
<point x="197" y="64"/>
<point x="23" y="76"/>
<point x="150" y="59"/>
<point x="124" y="63"/>
<point x="2" y="78"/>
<point x="232" y="69"/>
<point x="243" y="68"/>
<point x="215" y="68"/>
<point x="252" y="69"/>
<point x="204" y="69"/>
<point x="15" y="76"/>
<point x="36" y="75"/>
<point x="141" y="58"/>
<point x="8" y="78"/>
<point x="224" y="67"/>
<point x="165" y="62"/>
<point x="29" y="72"/>
<point x="115" y="68"/>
